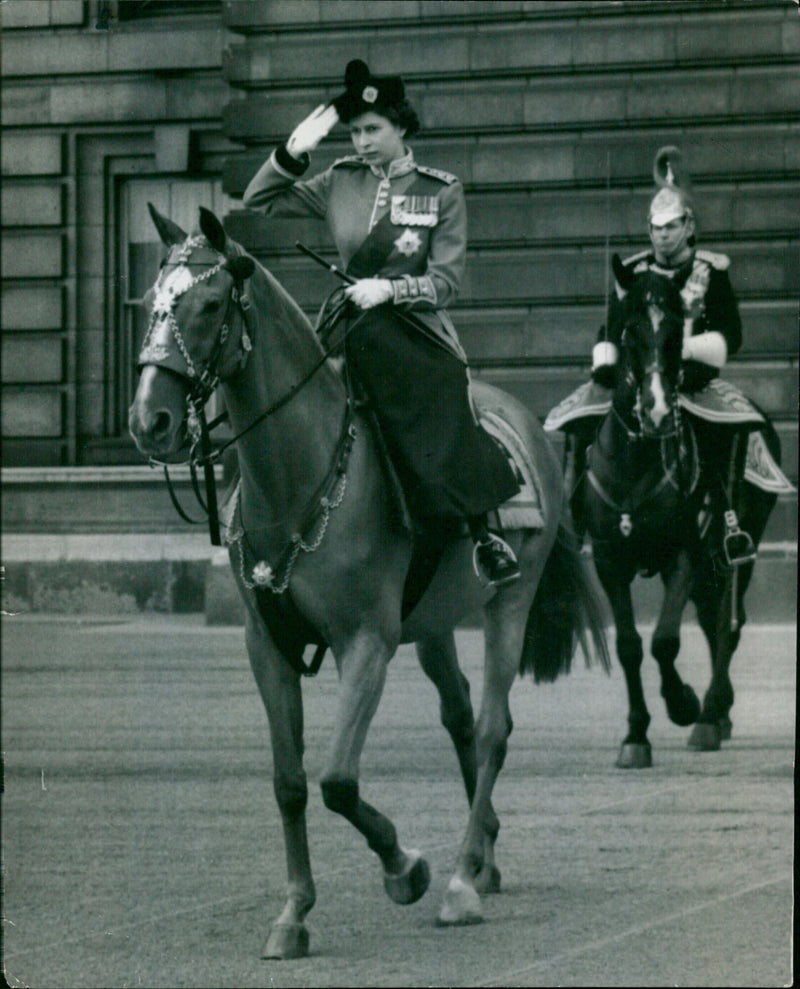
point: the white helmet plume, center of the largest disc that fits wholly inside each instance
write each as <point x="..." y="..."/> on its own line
<point x="674" y="197"/>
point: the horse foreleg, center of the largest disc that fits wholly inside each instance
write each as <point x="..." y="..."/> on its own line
<point x="280" y="691"/>
<point x="683" y="707"/>
<point x="715" y="613"/>
<point x="635" y="751"/>
<point x="505" y="628"/>
<point x="439" y="660"/>
<point x="362" y="677"/>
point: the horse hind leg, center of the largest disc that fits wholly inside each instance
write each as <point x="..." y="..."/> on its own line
<point x="714" y="610"/>
<point x="504" y="632"/>
<point x="439" y="660"/>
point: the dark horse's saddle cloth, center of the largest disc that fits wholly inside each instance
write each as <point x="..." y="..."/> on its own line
<point x="719" y="402"/>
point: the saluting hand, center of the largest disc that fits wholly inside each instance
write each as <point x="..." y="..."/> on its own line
<point x="369" y="292"/>
<point x="307" y="135"/>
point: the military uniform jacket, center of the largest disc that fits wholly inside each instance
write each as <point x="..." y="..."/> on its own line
<point x="719" y="312"/>
<point x="407" y="224"/>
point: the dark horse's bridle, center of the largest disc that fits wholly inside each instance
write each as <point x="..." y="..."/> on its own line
<point x="671" y="473"/>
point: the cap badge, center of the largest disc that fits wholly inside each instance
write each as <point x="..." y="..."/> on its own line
<point x="370" y="94"/>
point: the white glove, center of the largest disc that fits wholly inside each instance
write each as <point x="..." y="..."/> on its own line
<point x="307" y="135"/>
<point x="369" y="292"/>
<point x="708" y="348"/>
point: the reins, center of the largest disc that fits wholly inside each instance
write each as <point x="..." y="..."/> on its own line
<point x="652" y="482"/>
<point x="202" y="388"/>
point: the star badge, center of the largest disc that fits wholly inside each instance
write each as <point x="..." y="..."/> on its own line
<point x="408" y="243"/>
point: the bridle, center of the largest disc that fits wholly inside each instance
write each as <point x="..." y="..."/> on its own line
<point x="205" y="380"/>
<point x="672" y="469"/>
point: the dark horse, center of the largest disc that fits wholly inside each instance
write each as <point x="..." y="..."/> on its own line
<point x="316" y="502"/>
<point x="644" y="501"/>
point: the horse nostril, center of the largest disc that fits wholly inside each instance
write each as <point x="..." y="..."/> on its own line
<point x="162" y="424"/>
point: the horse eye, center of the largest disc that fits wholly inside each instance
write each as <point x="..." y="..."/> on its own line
<point x="212" y="306"/>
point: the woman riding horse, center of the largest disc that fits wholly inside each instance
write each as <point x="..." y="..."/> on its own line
<point x="400" y="229"/>
<point x="712" y="332"/>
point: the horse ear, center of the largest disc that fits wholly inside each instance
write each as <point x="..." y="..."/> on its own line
<point x="213" y="229"/>
<point x="169" y="232"/>
<point x="241" y="267"/>
<point x="622" y="273"/>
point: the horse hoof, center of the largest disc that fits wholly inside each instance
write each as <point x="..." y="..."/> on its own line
<point x="286" y="941"/>
<point x="488" y="880"/>
<point x="411" y="884"/>
<point x="635" y="755"/>
<point x="725" y="729"/>
<point x="684" y="709"/>
<point x="461" y="906"/>
<point x="705" y="738"/>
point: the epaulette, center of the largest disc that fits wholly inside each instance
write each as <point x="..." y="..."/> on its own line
<point x="639" y="262"/>
<point x="635" y="259"/>
<point x="437" y="173"/>
<point x="349" y="161"/>
<point x="719" y="261"/>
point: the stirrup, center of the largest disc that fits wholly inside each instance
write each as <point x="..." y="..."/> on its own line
<point x="737" y="544"/>
<point x="502" y="546"/>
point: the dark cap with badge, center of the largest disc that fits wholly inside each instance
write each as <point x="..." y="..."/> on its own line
<point x="365" y="92"/>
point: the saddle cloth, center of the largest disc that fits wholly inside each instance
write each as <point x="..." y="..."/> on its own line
<point x="524" y="510"/>
<point x="761" y="469"/>
<point x="720" y="402"/>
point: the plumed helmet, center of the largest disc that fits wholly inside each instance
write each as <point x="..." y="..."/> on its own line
<point x="674" y="197"/>
<point x="365" y="92"/>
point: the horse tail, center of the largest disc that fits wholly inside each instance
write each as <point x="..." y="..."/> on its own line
<point x="566" y="607"/>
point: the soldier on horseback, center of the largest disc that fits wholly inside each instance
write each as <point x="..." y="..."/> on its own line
<point x="721" y="415"/>
<point x="400" y="229"/>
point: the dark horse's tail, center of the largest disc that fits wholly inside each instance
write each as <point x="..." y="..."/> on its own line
<point x="567" y="606"/>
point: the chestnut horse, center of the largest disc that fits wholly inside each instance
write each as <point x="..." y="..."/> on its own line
<point x="321" y="555"/>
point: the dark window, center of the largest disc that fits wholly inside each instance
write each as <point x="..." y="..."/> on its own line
<point x="134" y="10"/>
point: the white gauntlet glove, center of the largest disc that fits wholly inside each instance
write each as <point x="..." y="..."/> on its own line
<point x="307" y="135"/>
<point x="369" y="292"/>
<point x="708" y="348"/>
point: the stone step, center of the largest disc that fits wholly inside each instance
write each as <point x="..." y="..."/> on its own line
<point x="567" y="333"/>
<point x="512" y="218"/>
<point x="773" y="386"/>
<point x="554" y="275"/>
<point x="493" y="38"/>
<point x="722" y="153"/>
<point x="589" y="101"/>
<point x="653" y="39"/>
<point x="179" y="575"/>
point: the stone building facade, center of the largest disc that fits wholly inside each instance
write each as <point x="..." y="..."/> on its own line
<point x="549" y="111"/>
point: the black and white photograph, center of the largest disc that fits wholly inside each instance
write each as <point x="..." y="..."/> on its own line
<point x="399" y="493"/>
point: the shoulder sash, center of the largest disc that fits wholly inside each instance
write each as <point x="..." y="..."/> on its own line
<point x="379" y="244"/>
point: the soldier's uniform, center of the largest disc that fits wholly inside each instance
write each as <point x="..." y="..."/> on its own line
<point x="719" y="411"/>
<point x="405" y="223"/>
<point x="710" y="284"/>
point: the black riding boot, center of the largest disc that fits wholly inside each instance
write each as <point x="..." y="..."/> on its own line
<point x="493" y="558"/>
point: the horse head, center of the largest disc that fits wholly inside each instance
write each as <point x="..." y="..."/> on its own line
<point x="650" y="350"/>
<point x="197" y="333"/>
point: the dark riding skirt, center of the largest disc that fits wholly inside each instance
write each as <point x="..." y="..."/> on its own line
<point x="448" y="465"/>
